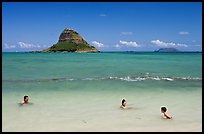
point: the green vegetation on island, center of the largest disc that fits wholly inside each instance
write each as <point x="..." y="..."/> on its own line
<point x="70" y="47"/>
<point x="70" y="41"/>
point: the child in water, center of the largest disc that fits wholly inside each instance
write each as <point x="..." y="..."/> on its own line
<point x="25" y="100"/>
<point x="123" y="104"/>
<point x="165" y="114"/>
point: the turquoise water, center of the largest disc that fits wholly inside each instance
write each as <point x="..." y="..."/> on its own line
<point x="83" y="91"/>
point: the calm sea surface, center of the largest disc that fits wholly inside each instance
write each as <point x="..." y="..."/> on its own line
<point x="83" y="91"/>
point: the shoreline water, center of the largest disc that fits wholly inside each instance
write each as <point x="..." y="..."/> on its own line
<point x="83" y="92"/>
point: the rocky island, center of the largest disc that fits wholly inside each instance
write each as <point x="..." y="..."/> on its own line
<point x="70" y="41"/>
<point x="167" y="50"/>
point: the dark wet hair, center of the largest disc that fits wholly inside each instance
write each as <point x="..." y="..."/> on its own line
<point x="123" y="100"/>
<point x="25" y="97"/>
<point x="164" y="109"/>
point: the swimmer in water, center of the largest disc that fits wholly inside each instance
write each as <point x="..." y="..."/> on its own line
<point x="123" y="106"/>
<point x="25" y="100"/>
<point x="165" y="114"/>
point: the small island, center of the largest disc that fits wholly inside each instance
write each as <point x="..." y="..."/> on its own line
<point x="167" y="50"/>
<point x="70" y="41"/>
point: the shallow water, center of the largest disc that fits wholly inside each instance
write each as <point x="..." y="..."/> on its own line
<point x="83" y="91"/>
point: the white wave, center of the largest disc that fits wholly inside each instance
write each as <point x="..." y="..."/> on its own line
<point x="87" y="79"/>
<point x="168" y="79"/>
<point x="127" y="78"/>
<point x="156" y="78"/>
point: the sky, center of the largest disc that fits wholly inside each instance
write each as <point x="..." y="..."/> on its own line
<point x="109" y="26"/>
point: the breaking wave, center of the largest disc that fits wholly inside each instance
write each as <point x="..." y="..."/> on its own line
<point x="126" y="78"/>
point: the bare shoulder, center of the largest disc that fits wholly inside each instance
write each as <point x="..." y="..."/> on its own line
<point x="22" y="102"/>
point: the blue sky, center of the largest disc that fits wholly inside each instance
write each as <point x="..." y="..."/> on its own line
<point x="109" y="26"/>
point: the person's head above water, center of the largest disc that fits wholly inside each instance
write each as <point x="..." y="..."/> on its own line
<point x="163" y="109"/>
<point x="25" y="99"/>
<point x="123" y="102"/>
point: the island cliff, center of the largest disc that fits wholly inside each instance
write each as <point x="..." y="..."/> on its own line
<point x="71" y="41"/>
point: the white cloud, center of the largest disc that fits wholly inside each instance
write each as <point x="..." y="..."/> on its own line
<point x="117" y="45"/>
<point x="167" y="44"/>
<point x="9" y="46"/>
<point x="183" y="33"/>
<point x="103" y="15"/>
<point x="97" y="44"/>
<point x="181" y="45"/>
<point x="27" y="45"/>
<point x="24" y="46"/>
<point x="126" y="33"/>
<point x="130" y="43"/>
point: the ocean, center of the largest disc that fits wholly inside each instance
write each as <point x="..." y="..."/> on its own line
<point x="80" y="92"/>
